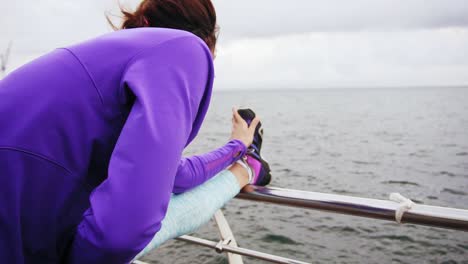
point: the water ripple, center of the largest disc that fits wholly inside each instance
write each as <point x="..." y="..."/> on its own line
<point x="447" y="173"/>
<point x="456" y="192"/>
<point x="394" y="237"/>
<point x="274" y="238"/>
<point x="401" y="183"/>
<point x="360" y="162"/>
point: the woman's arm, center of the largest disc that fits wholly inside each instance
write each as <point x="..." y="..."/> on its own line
<point x="195" y="170"/>
<point x="170" y="82"/>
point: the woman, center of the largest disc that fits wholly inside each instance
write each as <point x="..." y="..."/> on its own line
<point x="92" y="136"/>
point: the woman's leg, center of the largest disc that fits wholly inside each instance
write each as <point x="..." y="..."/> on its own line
<point x="190" y="210"/>
<point x="240" y="173"/>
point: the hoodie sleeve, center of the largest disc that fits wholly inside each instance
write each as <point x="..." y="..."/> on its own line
<point x="195" y="170"/>
<point x="169" y="82"/>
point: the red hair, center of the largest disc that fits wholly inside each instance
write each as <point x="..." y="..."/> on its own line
<point x="196" y="16"/>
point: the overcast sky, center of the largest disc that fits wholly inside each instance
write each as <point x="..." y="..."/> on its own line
<point x="284" y="44"/>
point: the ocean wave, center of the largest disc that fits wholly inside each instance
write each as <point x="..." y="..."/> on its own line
<point x="273" y="238"/>
<point x="452" y="191"/>
<point x="401" y="183"/>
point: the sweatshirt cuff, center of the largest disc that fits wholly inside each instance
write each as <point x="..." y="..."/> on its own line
<point x="239" y="149"/>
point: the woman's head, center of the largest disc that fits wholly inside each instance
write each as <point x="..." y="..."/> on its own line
<point x="196" y="16"/>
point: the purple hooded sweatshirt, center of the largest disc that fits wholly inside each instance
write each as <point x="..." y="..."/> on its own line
<point x="91" y="141"/>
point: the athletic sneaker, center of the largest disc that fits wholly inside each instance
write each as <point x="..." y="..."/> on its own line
<point x="261" y="169"/>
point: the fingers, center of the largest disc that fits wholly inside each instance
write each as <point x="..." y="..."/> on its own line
<point x="233" y="120"/>
<point x="236" y="116"/>
<point x="254" y="124"/>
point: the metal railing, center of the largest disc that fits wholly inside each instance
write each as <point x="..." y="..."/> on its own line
<point x="420" y="214"/>
<point x="224" y="246"/>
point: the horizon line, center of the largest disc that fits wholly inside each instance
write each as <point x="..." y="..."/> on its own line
<point x="364" y="87"/>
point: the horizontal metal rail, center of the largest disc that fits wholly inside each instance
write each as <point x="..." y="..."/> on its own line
<point x="223" y="246"/>
<point x="220" y="247"/>
<point x="372" y="208"/>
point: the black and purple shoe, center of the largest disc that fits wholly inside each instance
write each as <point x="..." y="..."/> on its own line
<point x="261" y="169"/>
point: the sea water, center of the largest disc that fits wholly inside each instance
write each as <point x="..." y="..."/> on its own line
<point x="358" y="142"/>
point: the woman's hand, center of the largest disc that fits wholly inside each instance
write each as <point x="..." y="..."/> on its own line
<point x="240" y="129"/>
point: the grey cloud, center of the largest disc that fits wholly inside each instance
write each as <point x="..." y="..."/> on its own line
<point x="37" y="26"/>
<point x="300" y="43"/>
<point x="345" y="59"/>
<point x="246" y="18"/>
<point x="61" y="22"/>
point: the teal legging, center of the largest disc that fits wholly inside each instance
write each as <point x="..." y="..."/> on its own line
<point x="190" y="210"/>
